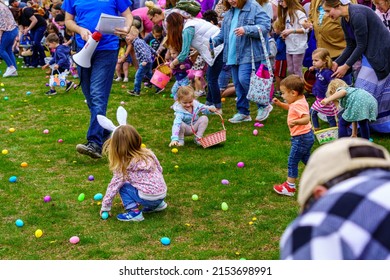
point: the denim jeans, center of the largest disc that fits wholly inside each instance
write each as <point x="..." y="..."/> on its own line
<point x="316" y="124"/>
<point x="7" y="41"/>
<point x="96" y="83"/>
<point x="38" y="57"/>
<point x="300" y="151"/>
<point x="345" y="131"/>
<point x="224" y="77"/>
<point x="131" y="199"/>
<point x="212" y="74"/>
<point x="139" y="75"/>
<point x="241" y="75"/>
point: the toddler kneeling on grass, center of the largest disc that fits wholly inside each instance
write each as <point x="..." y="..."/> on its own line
<point x="137" y="173"/>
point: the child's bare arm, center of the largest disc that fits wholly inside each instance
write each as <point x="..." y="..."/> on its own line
<point x="280" y="104"/>
<point x="336" y="95"/>
<point x="302" y="121"/>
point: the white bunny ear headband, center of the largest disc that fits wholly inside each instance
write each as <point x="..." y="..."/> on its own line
<point x="121" y="116"/>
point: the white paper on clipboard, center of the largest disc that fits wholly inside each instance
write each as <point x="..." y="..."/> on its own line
<point x="108" y="23"/>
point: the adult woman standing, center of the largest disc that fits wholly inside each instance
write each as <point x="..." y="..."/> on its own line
<point x="194" y="32"/>
<point x="240" y="34"/>
<point x="8" y="33"/>
<point x="82" y="17"/>
<point x="366" y="36"/>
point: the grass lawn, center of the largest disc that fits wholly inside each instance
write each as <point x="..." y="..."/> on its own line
<point x="198" y="230"/>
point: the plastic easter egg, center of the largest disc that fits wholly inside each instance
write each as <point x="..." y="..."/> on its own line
<point x="19" y="223"/>
<point x="5" y="97"/>
<point x="123" y="86"/>
<point x="165" y="241"/>
<point x="175" y="150"/>
<point x="224" y="206"/>
<point x="46" y="131"/>
<point x="11" y="129"/>
<point x="47" y="84"/>
<point x="195" y="197"/>
<point x="13" y="179"/>
<point x="91" y="178"/>
<point x="122" y="102"/>
<point x="81" y="197"/>
<point x="240" y="164"/>
<point x="4" y="152"/>
<point x="105" y="215"/>
<point x="74" y="239"/>
<point x="3" y="89"/>
<point x="2" y="84"/>
<point x="60" y="140"/>
<point x="24" y="164"/>
<point x="38" y="233"/>
<point x="143" y="145"/>
<point x="176" y="166"/>
<point x="255" y="132"/>
<point x="47" y="198"/>
<point x="223" y="99"/>
<point x="225" y="182"/>
<point x="98" y="196"/>
<point x="28" y="93"/>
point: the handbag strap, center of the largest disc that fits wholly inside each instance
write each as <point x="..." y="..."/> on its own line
<point x="269" y="66"/>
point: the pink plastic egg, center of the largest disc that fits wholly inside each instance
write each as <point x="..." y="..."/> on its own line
<point x="255" y="132"/>
<point x="240" y="164"/>
<point x="47" y="198"/>
<point x="74" y="240"/>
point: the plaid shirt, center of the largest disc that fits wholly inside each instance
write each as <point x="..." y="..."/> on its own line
<point x="352" y="221"/>
<point x="142" y="51"/>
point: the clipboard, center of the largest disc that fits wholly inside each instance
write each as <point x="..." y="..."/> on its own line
<point x="108" y="23"/>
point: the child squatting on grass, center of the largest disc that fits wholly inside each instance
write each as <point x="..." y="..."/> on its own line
<point x="137" y="173"/>
<point x="358" y="106"/>
<point x="187" y="108"/>
<point x="298" y="121"/>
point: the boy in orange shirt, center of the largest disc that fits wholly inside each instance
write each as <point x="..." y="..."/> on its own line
<point x="298" y="121"/>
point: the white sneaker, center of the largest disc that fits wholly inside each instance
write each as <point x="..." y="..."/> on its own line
<point x="118" y="79"/>
<point x="10" y="72"/>
<point x="263" y="113"/>
<point x="126" y="80"/>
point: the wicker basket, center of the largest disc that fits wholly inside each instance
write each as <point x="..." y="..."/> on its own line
<point x="211" y="139"/>
<point x="327" y="135"/>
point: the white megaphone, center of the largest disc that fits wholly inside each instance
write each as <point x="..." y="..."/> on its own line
<point x="83" y="57"/>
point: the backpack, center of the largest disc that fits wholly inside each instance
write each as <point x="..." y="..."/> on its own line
<point x="190" y="6"/>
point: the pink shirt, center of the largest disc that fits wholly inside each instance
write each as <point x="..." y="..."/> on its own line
<point x="296" y="110"/>
<point x="143" y="14"/>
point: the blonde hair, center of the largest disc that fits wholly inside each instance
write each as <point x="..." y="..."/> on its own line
<point x="134" y="31"/>
<point x="334" y="85"/>
<point x="124" y="147"/>
<point x="324" y="55"/>
<point x="152" y="8"/>
<point x="185" y="91"/>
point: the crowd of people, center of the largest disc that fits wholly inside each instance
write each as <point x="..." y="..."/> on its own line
<point x="206" y="45"/>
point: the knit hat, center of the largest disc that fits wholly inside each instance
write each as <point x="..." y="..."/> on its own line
<point x="339" y="157"/>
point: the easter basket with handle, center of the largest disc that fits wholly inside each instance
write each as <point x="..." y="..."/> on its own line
<point x="211" y="139"/>
<point x="162" y="73"/>
<point x="326" y="135"/>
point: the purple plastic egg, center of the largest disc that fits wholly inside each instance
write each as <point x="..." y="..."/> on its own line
<point x="225" y="182"/>
<point x="47" y="198"/>
<point x="91" y="178"/>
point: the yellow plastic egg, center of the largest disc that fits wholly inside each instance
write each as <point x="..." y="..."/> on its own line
<point x="175" y="150"/>
<point x="24" y="164"/>
<point x="38" y="233"/>
<point x="4" y="152"/>
<point x="11" y="129"/>
<point x="143" y="145"/>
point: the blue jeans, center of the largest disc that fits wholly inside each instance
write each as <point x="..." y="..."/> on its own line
<point x="224" y="77"/>
<point x="7" y="41"/>
<point x="38" y="56"/>
<point x="314" y="118"/>
<point x="345" y="131"/>
<point x="212" y="74"/>
<point x="131" y="199"/>
<point x="96" y="83"/>
<point x="300" y="151"/>
<point x="139" y="75"/>
<point x="241" y="78"/>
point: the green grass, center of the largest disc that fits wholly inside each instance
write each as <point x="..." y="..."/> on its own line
<point x="199" y="230"/>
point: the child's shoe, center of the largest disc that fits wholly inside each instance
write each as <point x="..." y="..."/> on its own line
<point x="148" y="84"/>
<point x="196" y="141"/>
<point x="263" y="113"/>
<point x="133" y="93"/>
<point x="51" y="92"/>
<point x="131" y="216"/>
<point x="159" y="208"/>
<point x="118" y="79"/>
<point x="284" y="189"/>
<point x="69" y="86"/>
<point x="126" y="80"/>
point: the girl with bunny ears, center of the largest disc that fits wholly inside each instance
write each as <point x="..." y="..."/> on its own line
<point x="137" y="173"/>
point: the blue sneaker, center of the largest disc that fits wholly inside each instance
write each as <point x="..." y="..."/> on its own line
<point x="159" y="208"/>
<point x="131" y="216"/>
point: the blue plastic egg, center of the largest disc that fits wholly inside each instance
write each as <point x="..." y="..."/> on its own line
<point x="19" y="223"/>
<point x="13" y="179"/>
<point x="105" y="215"/>
<point x="165" y="241"/>
<point x="98" y="196"/>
